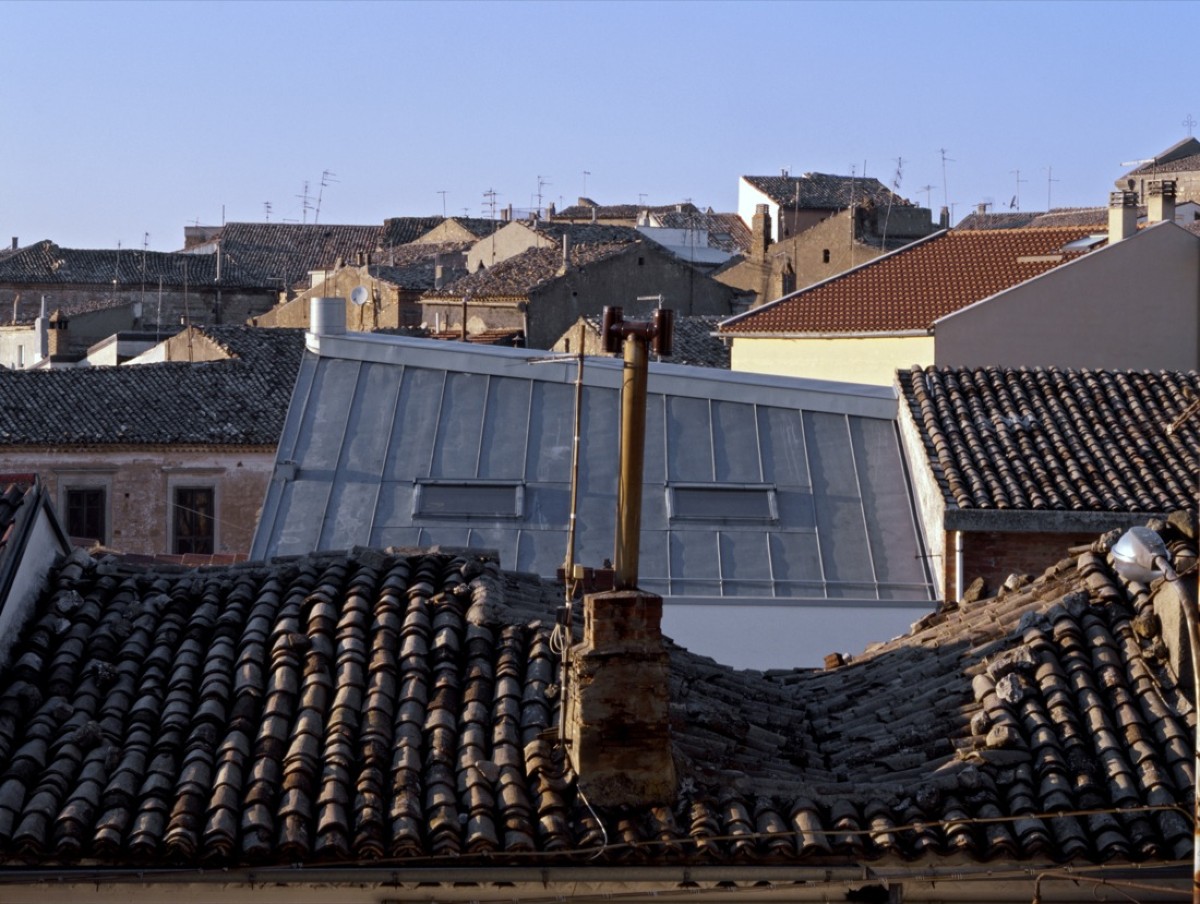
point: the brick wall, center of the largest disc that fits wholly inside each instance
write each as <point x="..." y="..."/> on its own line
<point x="993" y="555"/>
<point x="139" y="484"/>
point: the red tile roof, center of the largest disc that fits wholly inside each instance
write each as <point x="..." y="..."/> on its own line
<point x="911" y="288"/>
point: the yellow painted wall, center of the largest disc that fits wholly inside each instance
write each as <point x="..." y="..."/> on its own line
<point x="850" y="360"/>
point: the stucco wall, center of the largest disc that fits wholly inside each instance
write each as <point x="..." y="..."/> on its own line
<point x="1135" y="304"/>
<point x="387" y="306"/>
<point x="139" y="485"/>
<point x="640" y="271"/>
<point x="873" y="360"/>
<point x="504" y="243"/>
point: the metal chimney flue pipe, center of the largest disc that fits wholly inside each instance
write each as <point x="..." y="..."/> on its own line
<point x="637" y="339"/>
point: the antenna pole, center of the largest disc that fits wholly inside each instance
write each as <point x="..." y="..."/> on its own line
<point x="1050" y="180"/>
<point x="945" y="184"/>
<point x="443" y="194"/>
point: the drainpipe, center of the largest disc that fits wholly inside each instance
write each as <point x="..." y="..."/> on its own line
<point x="958" y="565"/>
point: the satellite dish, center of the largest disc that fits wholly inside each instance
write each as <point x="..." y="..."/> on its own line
<point x="359" y="295"/>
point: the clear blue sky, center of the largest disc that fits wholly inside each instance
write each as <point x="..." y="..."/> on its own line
<point x="118" y="119"/>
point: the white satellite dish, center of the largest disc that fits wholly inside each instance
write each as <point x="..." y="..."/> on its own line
<point x="359" y="295"/>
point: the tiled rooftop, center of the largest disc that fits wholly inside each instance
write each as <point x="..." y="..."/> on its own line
<point x="397" y="709"/>
<point x="240" y="402"/>
<point x="46" y="264"/>
<point x="1049" y="439"/>
<point x="402" y="230"/>
<point x="585" y="233"/>
<point x="282" y="254"/>
<point x="1182" y="156"/>
<point x="725" y="230"/>
<point x="517" y="276"/>
<point x="413" y="267"/>
<point x="618" y="211"/>
<point x="824" y="191"/>
<point x="13" y="494"/>
<point x="911" y="288"/>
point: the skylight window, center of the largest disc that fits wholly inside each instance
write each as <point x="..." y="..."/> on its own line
<point x="706" y="502"/>
<point x="484" y="499"/>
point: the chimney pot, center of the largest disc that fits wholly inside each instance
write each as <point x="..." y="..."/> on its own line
<point x="1122" y="215"/>
<point x="1160" y="201"/>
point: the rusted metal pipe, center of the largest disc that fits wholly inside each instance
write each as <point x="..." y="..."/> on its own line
<point x="632" y="455"/>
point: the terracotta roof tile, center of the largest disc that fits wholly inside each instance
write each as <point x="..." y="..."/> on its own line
<point x="911" y="288"/>
<point x="390" y="707"/>
<point x="1050" y="439"/>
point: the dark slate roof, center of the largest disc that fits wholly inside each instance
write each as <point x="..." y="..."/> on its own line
<point x="823" y="191"/>
<point x="1007" y="219"/>
<point x="402" y="230"/>
<point x="413" y="267"/>
<point x="1050" y="439"/>
<point x="585" y="233"/>
<point x="1183" y="156"/>
<point x="282" y="254"/>
<point x="392" y="708"/>
<point x="45" y="263"/>
<point x="517" y="276"/>
<point x="725" y="230"/>
<point x="477" y="226"/>
<point x="619" y="211"/>
<point x="241" y="401"/>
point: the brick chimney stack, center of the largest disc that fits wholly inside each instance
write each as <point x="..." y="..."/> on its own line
<point x="760" y="230"/>
<point x="56" y="338"/>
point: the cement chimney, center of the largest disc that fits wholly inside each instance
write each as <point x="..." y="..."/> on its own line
<point x="944" y="218"/>
<point x="1160" y="201"/>
<point x="760" y="231"/>
<point x="566" y="252"/>
<point x="1122" y="215"/>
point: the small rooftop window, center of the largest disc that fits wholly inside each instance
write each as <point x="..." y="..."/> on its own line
<point x="485" y="499"/>
<point x="706" y="502"/>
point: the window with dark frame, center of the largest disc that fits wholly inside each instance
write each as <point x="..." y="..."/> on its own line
<point x="195" y="525"/>
<point x="722" y="503"/>
<point x="468" y="499"/>
<point x="85" y="513"/>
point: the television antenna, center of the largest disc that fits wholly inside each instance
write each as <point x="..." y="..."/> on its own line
<point x="489" y="199"/>
<point x="945" y="184"/>
<point x="1050" y="180"/>
<point x="928" y="189"/>
<point x="326" y="180"/>
<point x="1015" y="204"/>
<point x="305" y="203"/>
<point x="443" y="194"/>
<point x="541" y="183"/>
<point x="267" y="210"/>
<point x="585" y="175"/>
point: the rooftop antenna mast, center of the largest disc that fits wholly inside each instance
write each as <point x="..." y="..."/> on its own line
<point x="541" y="183"/>
<point x="267" y="210"/>
<point x="489" y="200"/>
<point x="145" y="248"/>
<point x="1050" y="180"/>
<point x="945" y="184"/>
<point x="443" y="194"/>
<point x="326" y="180"/>
<point x="928" y="189"/>
<point x="1015" y="204"/>
<point x="585" y="175"/>
<point x="305" y="203"/>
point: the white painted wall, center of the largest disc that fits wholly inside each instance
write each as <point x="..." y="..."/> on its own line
<point x="873" y="360"/>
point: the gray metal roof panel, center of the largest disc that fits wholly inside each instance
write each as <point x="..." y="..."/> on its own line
<point x="380" y="426"/>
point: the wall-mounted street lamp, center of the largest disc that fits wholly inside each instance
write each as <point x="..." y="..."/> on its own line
<point x="1140" y="555"/>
